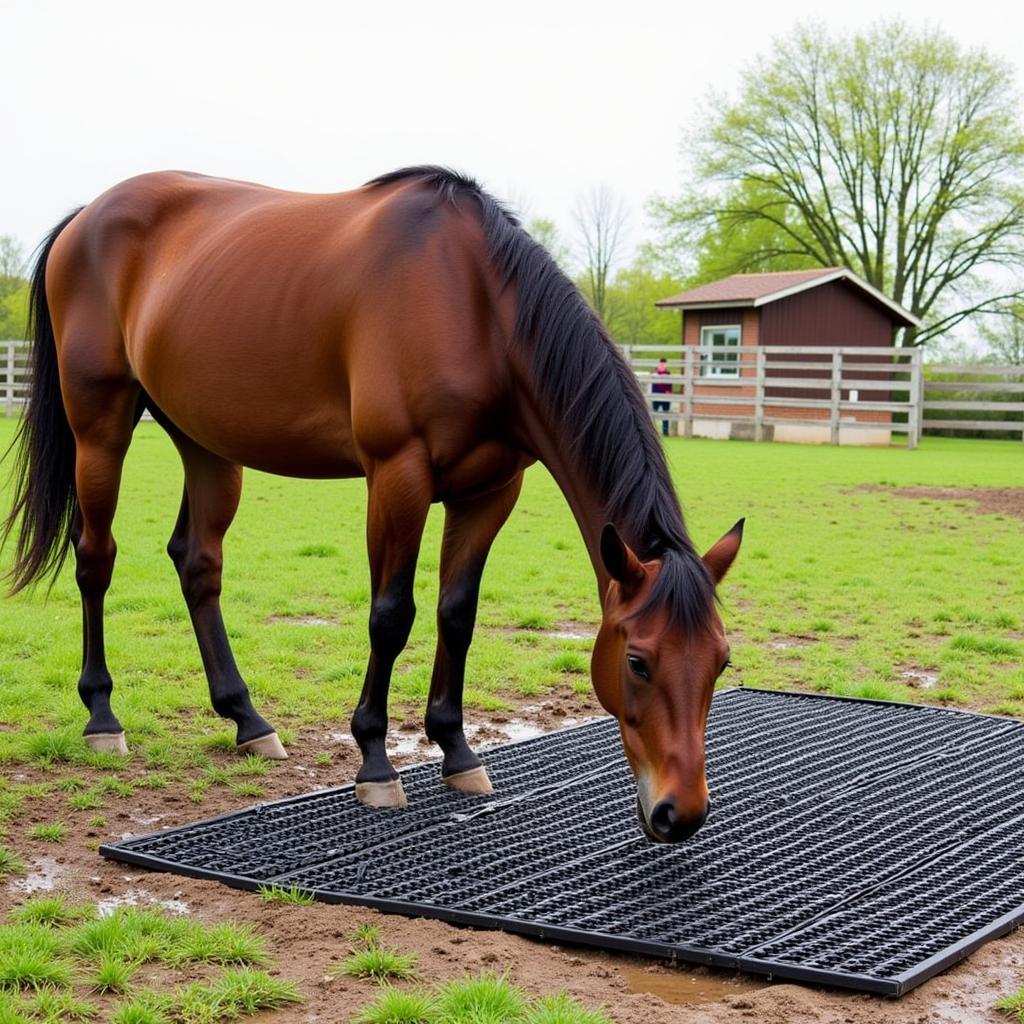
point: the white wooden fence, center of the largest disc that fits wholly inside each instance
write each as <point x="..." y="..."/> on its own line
<point x="846" y="389"/>
<point x="991" y="393"/>
<point x="13" y="375"/>
<point x="744" y="382"/>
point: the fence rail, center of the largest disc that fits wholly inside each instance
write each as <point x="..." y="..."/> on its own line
<point x="814" y="390"/>
<point x="994" y="394"/>
<point x="847" y="389"/>
<point x="14" y="373"/>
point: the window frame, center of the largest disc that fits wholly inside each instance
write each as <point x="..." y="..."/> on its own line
<point x="717" y="364"/>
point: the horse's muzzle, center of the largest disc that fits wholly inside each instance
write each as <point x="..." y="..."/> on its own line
<point x="666" y="825"/>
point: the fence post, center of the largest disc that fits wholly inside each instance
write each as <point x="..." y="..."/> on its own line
<point x="688" y="391"/>
<point x="916" y="413"/>
<point x="837" y="392"/>
<point x="10" y="378"/>
<point x="759" y="395"/>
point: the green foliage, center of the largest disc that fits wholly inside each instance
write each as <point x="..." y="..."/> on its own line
<point x="632" y="317"/>
<point x="893" y="151"/>
<point x="546" y="232"/>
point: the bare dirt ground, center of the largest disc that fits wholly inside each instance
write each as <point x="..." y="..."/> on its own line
<point x="307" y="940"/>
<point x="1007" y="501"/>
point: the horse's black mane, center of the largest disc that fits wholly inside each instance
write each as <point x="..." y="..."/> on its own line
<point x="592" y="395"/>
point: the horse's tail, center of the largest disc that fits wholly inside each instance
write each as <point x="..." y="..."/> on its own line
<point x="44" y="450"/>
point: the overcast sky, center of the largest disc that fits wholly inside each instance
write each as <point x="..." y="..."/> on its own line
<point x="540" y="100"/>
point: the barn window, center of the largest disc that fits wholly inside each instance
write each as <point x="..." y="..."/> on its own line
<point x="718" y="362"/>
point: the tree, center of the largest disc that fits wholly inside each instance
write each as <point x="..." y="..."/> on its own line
<point x="894" y="152"/>
<point x="631" y="296"/>
<point x="546" y="232"/>
<point x="1004" y="335"/>
<point x="601" y="218"/>
<point x="13" y="289"/>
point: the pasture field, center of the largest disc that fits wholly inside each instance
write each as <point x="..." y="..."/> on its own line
<point x="837" y="588"/>
<point x="843" y="585"/>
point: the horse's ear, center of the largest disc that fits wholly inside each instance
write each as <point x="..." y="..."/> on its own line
<point x="723" y="553"/>
<point x="621" y="563"/>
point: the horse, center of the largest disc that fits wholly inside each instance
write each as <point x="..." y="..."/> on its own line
<point x="410" y="332"/>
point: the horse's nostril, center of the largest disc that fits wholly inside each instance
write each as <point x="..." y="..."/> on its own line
<point x="667" y="826"/>
<point x="664" y="818"/>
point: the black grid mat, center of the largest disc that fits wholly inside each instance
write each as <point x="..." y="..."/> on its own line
<point x="854" y="843"/>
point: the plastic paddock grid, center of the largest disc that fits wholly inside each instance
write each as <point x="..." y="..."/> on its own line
<point x="855" y="843"/>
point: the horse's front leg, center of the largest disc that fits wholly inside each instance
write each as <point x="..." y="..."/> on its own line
<point x="400" y="492"/>
<point x="469" y="530"/>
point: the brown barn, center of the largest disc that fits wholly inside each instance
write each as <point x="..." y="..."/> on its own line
<point x="829" y="306"/>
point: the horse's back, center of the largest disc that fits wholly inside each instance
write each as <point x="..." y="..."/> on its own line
<point x="297" y="333"/>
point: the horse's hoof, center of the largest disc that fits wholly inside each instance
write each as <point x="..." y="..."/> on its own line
<point x="475" y="781"/>
<point x="381" y="794"/>
<point x="108" y="743"/>
<point x="266" y="746"/>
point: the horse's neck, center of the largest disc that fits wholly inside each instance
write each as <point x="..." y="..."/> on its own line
<point x="587" y="506"/>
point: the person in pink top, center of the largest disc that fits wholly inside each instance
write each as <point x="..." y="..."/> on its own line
<point x="662" y="388"/>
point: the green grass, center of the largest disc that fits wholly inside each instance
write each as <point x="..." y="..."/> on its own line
<point x="52" y="955"/>
<point x="1013" y="1005"/>
<point x="112" y="975"/>
<point x="379" y="963"/>
<point x="10" y="863"/>
<point x="50" y="911"/>
<point x="281" y="894"/>
<point x="865" y="582"/>
<point x="483" y="999"/>
<point x="51" y="833"/>
<point x="31" y="957"/>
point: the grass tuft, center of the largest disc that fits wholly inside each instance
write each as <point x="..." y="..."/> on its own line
<point x="49" y="911"/>
<point x="10" y="863"/>
<point x="113" y="975"/>
<point x="52" y="833"/>
<point x="225" y="944"/>
<point x="379" y="963"/>
<point x="992" y="646"/>
<point x="30" y="957"/>
<point x="562" y="1009"/>
<point x="280" y="894"/>
<point x="234" y="994"/>
<point x="55" y="1007"/>
<point x="1013" y="1005"/>
<point x="485" y="999"/>
<point x="393" y="1006"/>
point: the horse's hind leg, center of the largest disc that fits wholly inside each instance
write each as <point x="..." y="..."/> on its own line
<point x="212" y="490"/>
<point x="469" y="530"/>
<point x="102" y="418"/>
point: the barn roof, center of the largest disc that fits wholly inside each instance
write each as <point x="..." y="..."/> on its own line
<point x="761" y="289"/>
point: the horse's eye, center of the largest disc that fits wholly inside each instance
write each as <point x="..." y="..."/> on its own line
<point x="638" y="667"/>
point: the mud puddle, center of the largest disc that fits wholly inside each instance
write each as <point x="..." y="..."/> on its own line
<point x="685" y="988"/>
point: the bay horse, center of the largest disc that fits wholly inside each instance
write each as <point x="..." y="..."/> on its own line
<point x="410" y="332"/>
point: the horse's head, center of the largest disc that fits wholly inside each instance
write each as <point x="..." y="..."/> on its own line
<point x="654" y="669"/>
